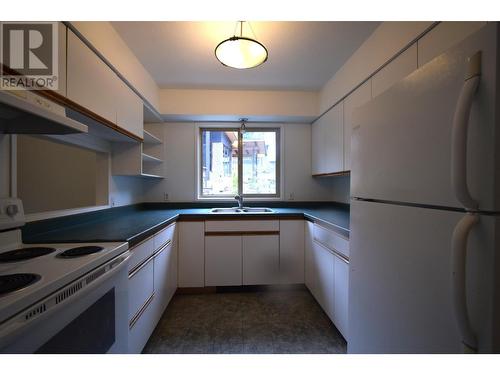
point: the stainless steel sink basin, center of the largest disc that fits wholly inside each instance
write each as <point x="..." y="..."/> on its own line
<point x="235" y="210"/>
<point x="257" y="210"/>
<point x="225" y="210"/>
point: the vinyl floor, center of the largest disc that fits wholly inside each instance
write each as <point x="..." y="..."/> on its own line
<point x="255" y="322"/>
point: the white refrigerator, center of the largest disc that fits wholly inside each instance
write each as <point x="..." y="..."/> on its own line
<point x="425" y="208"/>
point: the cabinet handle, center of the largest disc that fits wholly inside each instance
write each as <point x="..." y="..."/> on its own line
<point x="339" y="255"/>
<point x="136" y="270"/>
<point x="139" y="313"/>
<point x="160" y="250"/>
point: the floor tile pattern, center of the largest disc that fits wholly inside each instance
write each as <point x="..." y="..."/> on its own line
<point x="257" y="322"/>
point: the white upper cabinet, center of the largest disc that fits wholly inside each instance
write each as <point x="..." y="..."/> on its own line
<point x="358" y="97"/>
<point x="62" y="34"/>
<point x="442" y="37"/>
<point x="396" y="70"/>
<point x="328" y="142"/>
<point x="95" y="86"/>
<point x="129" y="110"/>
<point x="89" y="80"/>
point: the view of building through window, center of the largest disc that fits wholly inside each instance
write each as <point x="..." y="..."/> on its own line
<point x="219" y="162"/>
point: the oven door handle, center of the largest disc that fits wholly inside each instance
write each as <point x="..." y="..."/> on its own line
<point x="18" y="324"/>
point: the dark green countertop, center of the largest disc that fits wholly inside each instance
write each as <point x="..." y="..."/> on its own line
<point x="137" y="222"/>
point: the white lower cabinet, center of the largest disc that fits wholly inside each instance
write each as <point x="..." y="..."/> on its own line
<point x="223" y="260"/>
<point x="260" y="259"/>
<point x="323" y="263"/>
<point x="140" y="288"/>
<point x="291" y="252"/>
<point x="327" y="274"/>
<point x="152" y="283"/>
<point x="341" y="295"/>
<point x="140" y="332"/>
<point x="165" y="278"/>
<point x="191" y="254"/>
<point x="309" y="272"/>
<point x="141" y="314"/>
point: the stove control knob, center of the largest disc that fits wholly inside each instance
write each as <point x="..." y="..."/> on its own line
<point x="11" y="210"/>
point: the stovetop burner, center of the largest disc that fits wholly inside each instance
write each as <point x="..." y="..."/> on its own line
<point x="80" y="251"/>
<point x="24" y="254"/>
<point x="11" y="283"/>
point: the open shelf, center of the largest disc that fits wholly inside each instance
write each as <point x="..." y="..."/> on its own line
<point x="150" y="159"/>
<point x="151" y="139"/>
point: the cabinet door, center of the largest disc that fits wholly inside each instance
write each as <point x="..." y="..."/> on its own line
<point x="316" y="147"/>
<point x="140" y="288"/>
<point x="396" y="70"/>
<point x="292" y="251"/>
<point x="324" y="266"/>
<point x="129" y="109"/>
<point x="191" y="254"/>
<point x="172" y="265"/>
<point x="328" y="142"/>
<point x="161" y="268"/>
<point x="90" y="81"/>
<point x="309" y="271"/>
<point x="62" y="35"/>
<point x="260" y="259"/>
<point x="360" y="96"/>
<point x="341" y="295"/>
<point x="223" y="260"/>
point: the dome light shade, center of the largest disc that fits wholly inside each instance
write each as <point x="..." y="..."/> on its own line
<point x="241" y="53"/>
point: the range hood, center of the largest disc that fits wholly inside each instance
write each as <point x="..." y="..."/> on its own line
<point x="25" y="112"/>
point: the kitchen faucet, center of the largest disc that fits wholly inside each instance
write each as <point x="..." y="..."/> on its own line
<point x="239" y="199"/>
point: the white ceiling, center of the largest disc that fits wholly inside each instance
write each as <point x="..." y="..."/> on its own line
<point x="302" y="55"/>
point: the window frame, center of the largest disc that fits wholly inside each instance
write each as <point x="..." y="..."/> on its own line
<point x="236" y="127"/>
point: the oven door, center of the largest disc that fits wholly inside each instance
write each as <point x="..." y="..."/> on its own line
<point x="88" y="316"/>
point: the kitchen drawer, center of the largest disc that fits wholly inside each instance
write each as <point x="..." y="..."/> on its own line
<point x="140" y="253"/>
<point x="164" y="236"/>
<point x="331" y="240"/>
<point x="144" y="326"/>
<point x="140" y="287"/>
<point x="242" y="226"/>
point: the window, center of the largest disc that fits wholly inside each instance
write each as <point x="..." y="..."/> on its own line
<point x="235" y="162"/>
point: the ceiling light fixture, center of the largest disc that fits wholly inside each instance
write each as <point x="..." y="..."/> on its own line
<point x="241" y="52"/>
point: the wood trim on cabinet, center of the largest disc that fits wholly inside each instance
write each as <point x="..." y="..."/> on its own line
<point x="64" y="101"/>
<point x="243" y="217"/>
<point x="243" y="233"/>
<point x="343" y="173"/>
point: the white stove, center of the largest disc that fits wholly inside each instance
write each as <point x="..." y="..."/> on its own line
<point x="45" y="289"/>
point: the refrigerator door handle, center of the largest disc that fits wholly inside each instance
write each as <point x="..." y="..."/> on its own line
<point x="459" y="133"/>
<point x="458" y="267"/>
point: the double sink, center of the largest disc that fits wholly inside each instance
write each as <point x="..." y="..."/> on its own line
<point x="243" y="210"/>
